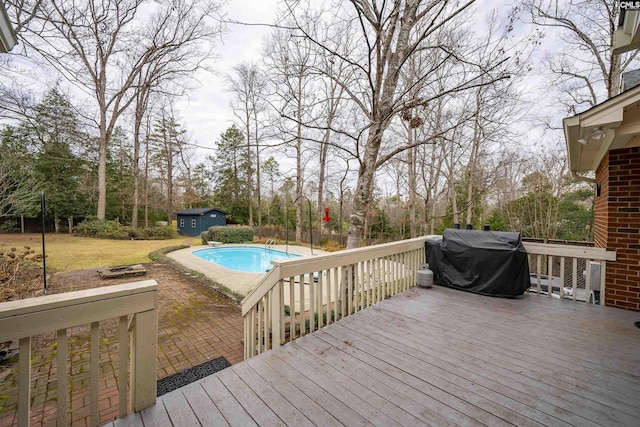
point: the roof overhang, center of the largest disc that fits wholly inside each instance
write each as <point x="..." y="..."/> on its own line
<point x="627" y="36"/>
<point x="7" y="35"/>
<point x="619" y="119"/>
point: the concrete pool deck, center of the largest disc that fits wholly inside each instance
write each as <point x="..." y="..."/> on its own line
<point x="236" y="281"/>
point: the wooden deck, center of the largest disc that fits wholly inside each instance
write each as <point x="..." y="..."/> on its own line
<point x="432" y="357"/>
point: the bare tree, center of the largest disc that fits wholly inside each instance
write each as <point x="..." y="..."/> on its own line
<point x="388" y="34"/>
<point x="99" y="47"/>
<point x="181" y="30"/>
<point x="169" y="141"/>
<point x="586" y="69"/>
<point x="247" y="86"/>
<point x="290" y="61"/>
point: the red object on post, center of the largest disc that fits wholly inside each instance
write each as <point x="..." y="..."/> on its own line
<point x="326" y="215"/>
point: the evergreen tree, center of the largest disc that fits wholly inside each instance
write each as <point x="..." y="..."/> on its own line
<point x="230" y="190"/>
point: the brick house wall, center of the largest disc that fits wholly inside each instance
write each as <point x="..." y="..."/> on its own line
<point x="617" y="225"/>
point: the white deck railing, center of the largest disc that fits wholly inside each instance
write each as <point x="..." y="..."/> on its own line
<point x="301" y="295"/>
<point x="23" y="319"/>
<point x="298" y="296"/>
<point x="556" y="273"/>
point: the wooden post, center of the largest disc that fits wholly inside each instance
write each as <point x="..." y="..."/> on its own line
<point x="143" y="359"/>
<point x="24" y="390"/>
<point x="277" y="307"/>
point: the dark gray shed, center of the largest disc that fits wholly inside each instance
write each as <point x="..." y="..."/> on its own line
<point x="192" y="222"/>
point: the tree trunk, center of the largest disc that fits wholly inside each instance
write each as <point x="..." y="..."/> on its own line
<point x="299" y="164"/>
<point x="146" y="181"/>
<point x="258" y="180"/>
<point x="249" y="171"/>
<point x="413" y="187"/>
<point x="364" y="187"/>
<point x="102" y="174"/>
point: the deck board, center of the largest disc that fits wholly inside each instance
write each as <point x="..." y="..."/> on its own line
<point x="433" y="357"/>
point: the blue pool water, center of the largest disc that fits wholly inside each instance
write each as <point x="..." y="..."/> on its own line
<point x="246" y="259"/>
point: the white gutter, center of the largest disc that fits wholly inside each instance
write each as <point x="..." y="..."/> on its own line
<point x="7" y="35"/>
<point x="577" y="177"/>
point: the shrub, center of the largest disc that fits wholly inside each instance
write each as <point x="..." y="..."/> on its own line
<point x="20" y="274"/>
<point x="160" y="232"/>
<point x="9" y="226"/>
<point x="93" y="227"/>
<point x="219" y="233"/>
<point x="331" y="246"/>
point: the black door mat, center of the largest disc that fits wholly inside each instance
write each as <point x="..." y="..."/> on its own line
<point x="195" y="373"/>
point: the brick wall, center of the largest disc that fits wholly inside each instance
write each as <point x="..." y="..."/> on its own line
<point x="617" y="225"/>
<point x="601" y="217"/>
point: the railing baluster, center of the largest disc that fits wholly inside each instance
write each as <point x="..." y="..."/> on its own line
<point x="562" y="277"/>
<point x="379" y="284"/>
<point x="312" y="304"/>
<point x="24" y="390"/>
<point x="369" y="287"/>
<point x="63" y="376"/>
<point x="303" y="323"/>
<point x="574" y="285"/>
<point x="252" y="332"/>
<point x="123" y="364"/>
<point x="260" y="337"/>
<point x="94" y="373"/>
<point x="587" y="284"/>
<point x="603" y="272"/>
<point x="277" y="315"/>
<point x="322" y="312"/>
<point x="350" y="289"/>
<point x="336" y="287"/>
<point x="539" y="272"/>
<point x="361" y="289"/>
<point x="267" y="322"/>
<point x="550" y="274"/>
<point x="292" y="307"/>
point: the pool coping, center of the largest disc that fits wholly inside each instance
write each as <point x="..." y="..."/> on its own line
<point x="236" y="281"/>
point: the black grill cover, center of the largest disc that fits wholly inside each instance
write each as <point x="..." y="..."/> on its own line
<point x="485" y="262"/>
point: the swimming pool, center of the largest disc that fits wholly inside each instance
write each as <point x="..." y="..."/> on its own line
<point x="250" y="259"/>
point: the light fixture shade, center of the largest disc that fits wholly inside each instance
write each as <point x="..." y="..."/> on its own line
<point x="597" y="133"/>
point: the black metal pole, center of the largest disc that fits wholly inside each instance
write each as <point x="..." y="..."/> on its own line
<point x="44" y="253"/>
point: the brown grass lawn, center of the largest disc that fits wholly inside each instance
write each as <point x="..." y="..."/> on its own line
<point x="66" y="252"/>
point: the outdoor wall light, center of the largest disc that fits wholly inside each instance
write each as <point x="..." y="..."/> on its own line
<point x="597" y="133"/>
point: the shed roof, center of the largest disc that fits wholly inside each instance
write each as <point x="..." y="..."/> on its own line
<point x="199" y="211"/>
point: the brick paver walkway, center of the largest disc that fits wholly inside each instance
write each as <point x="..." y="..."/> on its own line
<point x="195" y="324"/>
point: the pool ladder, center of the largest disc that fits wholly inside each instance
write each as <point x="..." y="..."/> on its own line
<point x="269" y="244"/>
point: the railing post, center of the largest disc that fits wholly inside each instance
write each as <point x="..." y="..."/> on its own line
<point x="24" y="390"/>
<point x="277" y="309"/>
<point x="143" y="359"/>
<point x="603" y="273"/>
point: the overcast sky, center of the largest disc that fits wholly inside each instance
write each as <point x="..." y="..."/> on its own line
<point x="206" y="113"/>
